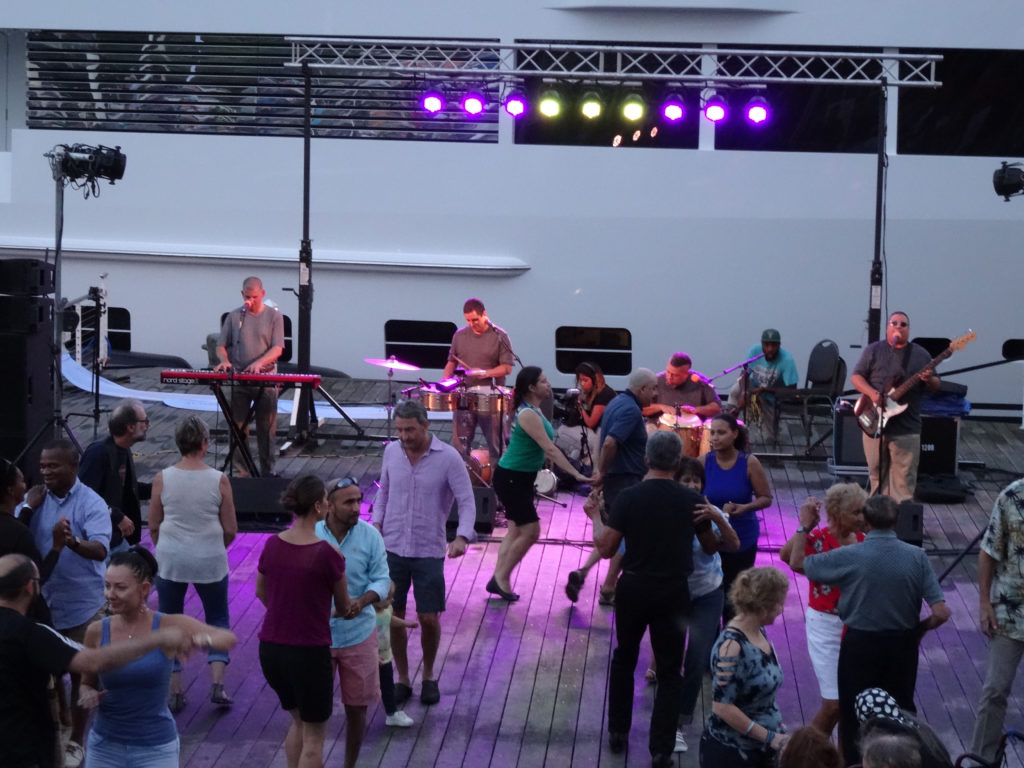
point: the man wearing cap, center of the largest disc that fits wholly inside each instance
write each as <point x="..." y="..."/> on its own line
<point x="773" y="371"/>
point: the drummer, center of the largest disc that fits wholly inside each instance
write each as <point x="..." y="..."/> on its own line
<point x="484" y="352"/>
<point x="682" y="391"/>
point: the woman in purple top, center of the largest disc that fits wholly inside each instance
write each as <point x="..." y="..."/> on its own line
<point x="298" y="576"/>
<point x="736" y="483"/>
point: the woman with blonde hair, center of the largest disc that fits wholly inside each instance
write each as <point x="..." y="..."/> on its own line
<point x="745" y="727"/>
<point x="844" y="508"/>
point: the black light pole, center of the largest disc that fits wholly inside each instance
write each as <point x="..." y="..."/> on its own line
<point x="305" y="423"/>
<point x="875" y="303"/>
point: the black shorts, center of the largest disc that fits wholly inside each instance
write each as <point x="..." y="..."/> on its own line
<point x="426" y="577"/>
<point x="302" y="676"/>
<point x="515" y="490"/>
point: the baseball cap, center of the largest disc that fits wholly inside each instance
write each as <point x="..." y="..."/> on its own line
<point x="770" y="334"/>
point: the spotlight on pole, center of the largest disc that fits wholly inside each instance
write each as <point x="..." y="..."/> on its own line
<point x="515" y="104"/>
<point x="432" y="102"/>
<point x="634" y="107"/>
<point x="757" y="110"/>
<point x="81" y="161"/>
<point x="716" y="109"/>
<point x="1008" y="180"/>
<point x="673" y="109"/>
<point x="550" y="103"/>
<point x="591" y="105"/>
<point x="473" y="104"/>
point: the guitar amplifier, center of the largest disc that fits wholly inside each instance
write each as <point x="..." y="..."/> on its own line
<point x="939" y="437"/>
<point x="847" y="448"/>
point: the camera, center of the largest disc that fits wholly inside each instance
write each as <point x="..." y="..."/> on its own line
<point x="567" y="408"/>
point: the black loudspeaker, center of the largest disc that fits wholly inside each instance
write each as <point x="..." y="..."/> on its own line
<point x="26" y="277"/>
<point x="27" y="404"/>
<point x="257" y="501"/>
<point x="847" y="447"/>
<point x="909" y="525"/>
<point x="486" y="503"/>
<point x="939" y="436"/>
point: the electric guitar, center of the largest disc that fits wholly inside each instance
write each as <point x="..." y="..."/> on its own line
<point x="872" y="419"/>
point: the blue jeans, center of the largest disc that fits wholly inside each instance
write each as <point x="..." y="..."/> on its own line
<point x="705" y="612"/>
<point x="214" y="596"/>
<point x="101" y="752"/>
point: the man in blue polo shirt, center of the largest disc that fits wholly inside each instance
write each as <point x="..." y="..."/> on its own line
<point x="354" y="636"/>
<point x="74" y="590"/>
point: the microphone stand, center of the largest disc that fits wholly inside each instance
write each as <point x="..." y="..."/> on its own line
<point x="745" y="365"/>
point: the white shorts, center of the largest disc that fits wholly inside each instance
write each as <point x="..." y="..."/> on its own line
<point x="824" y="633"/>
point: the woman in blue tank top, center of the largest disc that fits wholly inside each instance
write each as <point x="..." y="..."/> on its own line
<point x="530" y="444"/>
<point x="133" y="727"/>
<point x="736" y="483"/>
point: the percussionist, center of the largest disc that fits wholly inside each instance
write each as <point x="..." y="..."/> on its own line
<point x="681" y="389"/>
<point x="485" y="354"/>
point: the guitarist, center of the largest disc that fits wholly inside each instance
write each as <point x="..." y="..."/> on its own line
<point x="883" y="365"/>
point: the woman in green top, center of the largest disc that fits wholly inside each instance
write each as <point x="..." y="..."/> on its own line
<point x="531" y="442"/>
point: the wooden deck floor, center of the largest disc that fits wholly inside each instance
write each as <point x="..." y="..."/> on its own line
<point x="525" y="684"/>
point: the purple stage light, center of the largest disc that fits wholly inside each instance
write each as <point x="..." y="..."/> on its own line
<point x="757" y="110"/>
<point x="473" y="103"/>
<point x="673" y="111"/>
<point x="433" y="102"/>
<point x="515" y="105"/>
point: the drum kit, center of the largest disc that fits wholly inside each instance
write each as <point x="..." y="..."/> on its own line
<point x="450" y="396"/>
<point x="695" y="434"/>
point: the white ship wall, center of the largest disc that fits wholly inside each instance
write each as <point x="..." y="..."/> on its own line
<point x="693" y="250"/>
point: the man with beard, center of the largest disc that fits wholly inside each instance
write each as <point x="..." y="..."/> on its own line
<point x="773" y="371"/>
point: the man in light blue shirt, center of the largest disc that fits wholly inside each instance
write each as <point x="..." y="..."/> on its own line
<point x="81" y="517"/>
<point x="354" y="636"/>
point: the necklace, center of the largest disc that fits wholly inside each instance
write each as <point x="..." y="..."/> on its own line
<point x="131" y="633"/>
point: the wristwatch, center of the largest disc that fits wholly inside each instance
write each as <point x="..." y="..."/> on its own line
<point x="802" y="529"/>
<point x="74" y="543"/>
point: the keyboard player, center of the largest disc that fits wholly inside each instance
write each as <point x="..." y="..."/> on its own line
<point x="251" y="341"/>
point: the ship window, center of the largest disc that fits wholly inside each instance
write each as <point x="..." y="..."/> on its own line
<point x="977" y="111"/>
<point x="610" y="348"/>
<point x="222" y="84"/>
<point x="424" y="343"/>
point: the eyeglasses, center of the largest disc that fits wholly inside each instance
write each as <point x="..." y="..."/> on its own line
<point x="142" y="421"/>
<point x="898" y="324"/>
<point x="345" y="482"/>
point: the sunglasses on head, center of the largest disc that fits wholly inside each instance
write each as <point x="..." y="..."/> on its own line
<point x="345" y="482"/>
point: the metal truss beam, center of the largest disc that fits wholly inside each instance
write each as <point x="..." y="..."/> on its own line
<point x="512" y="63"/>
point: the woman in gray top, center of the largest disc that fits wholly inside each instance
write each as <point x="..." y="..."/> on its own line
<point x="192" y="521"/>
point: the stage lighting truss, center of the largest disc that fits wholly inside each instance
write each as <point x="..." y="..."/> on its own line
<point x="1008" y="180"/>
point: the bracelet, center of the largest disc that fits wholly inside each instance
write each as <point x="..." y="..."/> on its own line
<point x="749" y="728"/>
<point x="769" y="737"/>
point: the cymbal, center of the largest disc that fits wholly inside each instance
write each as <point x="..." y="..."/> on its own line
<point x="392" y="363"/>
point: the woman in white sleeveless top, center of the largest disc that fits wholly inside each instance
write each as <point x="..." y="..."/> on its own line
<point x="192" y="521"/>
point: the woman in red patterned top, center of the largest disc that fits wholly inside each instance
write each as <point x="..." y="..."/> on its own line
<point x="844" y="507"/>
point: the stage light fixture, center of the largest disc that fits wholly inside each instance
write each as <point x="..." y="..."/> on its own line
<point x="515" y="104"/>
<point x="591" y="105"/>
<point x="1008" y="180"/>
<point x="673" y="109"/>
<point x="757" y="110"/>
<point x="634" y="107"/>
<point x="81" y="161"/>
<point x="433" y="102"/>
<point x="473" y="103"/>
<point x="550" y="104"/>
<point x="716" y="108"/>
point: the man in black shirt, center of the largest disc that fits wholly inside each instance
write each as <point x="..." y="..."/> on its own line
<point x="656" y="520"/>
<point x="30" y="653"/>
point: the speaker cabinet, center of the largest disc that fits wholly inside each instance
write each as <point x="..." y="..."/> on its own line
<point x="257" y="501"/>
<point x="847" y="448"/>
<point x="939" y="437"/>
<point x="486" y="503"/>
<point x="909" y="524"/>
<point x="26" y="277"/>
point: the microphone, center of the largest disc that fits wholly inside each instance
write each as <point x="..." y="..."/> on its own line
<point x="241" y="318"/>
<point x="572" y="392"/>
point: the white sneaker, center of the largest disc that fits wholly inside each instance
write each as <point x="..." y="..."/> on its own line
<point x="680" y="742"/>
<point x="399" y="719"/>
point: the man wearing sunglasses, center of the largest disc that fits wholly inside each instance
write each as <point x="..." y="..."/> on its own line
<point x="420" y="477"/>
<point x="107" y="467"/>
<point x="882" y="366"/>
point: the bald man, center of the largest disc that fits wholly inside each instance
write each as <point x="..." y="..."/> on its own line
<point x="251" y="341"/>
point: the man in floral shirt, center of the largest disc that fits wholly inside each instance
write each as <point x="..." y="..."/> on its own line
<point x="1001" y="594"/>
